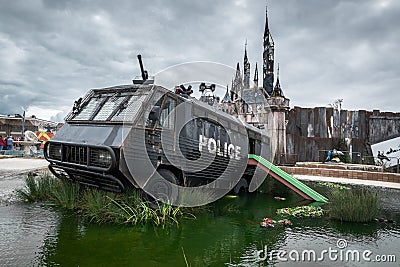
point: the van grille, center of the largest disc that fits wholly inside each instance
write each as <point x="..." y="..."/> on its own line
<point x="75" y="154"/>
<point x="88" y="156"/>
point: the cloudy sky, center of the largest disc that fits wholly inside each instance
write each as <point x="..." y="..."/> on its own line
<point x="52" y="52"/>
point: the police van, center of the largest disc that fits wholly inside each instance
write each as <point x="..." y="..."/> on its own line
<point x="126" y="136"/>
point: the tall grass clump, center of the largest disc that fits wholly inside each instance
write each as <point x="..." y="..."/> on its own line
<point x="142" y="212"/>
<point x="353" y="205"/>
<point x="66" y="195"/>
<point x="37" y="187"/>
<point x="98" y="206"/>
<point x="94" y="205"/>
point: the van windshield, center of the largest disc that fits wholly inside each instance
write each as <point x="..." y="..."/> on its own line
<point x="109" y="105"/>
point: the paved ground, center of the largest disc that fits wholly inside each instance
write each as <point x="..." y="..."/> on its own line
<point x="15" y="166"/>
<point x="347" y="181"/>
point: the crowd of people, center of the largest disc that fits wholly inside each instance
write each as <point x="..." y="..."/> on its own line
<point x="7" y="143"/>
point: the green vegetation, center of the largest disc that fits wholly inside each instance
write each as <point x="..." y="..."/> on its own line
<point x="96" y="205"/>
<point x="65" y="194"/>
<point x="37" y="189"/>
<point x="353" y="205"/>
<point x="333" y="185"/>
<point x="302" y="211"/>
<point x="346" y="203"/>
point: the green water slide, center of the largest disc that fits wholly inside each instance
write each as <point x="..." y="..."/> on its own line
<point x="287" y="179"/>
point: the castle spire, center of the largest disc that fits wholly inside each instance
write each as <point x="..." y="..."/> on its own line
<point x="277" y="75"/>
<point x="268" y="58"/>
<point x="238" y="75"/>
<point x="277" y="89"/>
<point x="232" y="91"/>
<point x="246" y="68"/>
<point x="227" y="98"/>
<point x="266" y="29"/>
<point x="256" y="77"/>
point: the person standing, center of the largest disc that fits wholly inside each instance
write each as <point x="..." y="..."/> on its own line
<point x="2" y="142"/>
<point x="329" y="157"/>
<point x="10" y="143"/>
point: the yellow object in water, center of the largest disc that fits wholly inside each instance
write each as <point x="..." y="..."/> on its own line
<point x="231" y="196"/>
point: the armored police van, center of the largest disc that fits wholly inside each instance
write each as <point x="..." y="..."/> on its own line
<point x="127" y="136"/>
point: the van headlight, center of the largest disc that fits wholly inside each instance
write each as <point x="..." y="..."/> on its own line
<point x="54" y="151"/>
<point x="100" y="158"/>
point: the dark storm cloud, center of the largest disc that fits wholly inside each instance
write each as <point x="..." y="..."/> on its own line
<point x="51" y="52"/>
<point x="340" y="49"/>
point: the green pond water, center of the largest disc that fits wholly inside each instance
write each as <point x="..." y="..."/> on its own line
<point x="228" y="233"/>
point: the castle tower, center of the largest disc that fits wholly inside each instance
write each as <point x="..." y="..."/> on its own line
<point x="279" y="106"/>
<point x="232" y="92"/>
<point x="237" y="87"/>
<point x="227" y="104"/>
<point x="246" y="69"/>
<point x="266" y="106"/>
<point x="268" y="58"/>
<point x="277" y="89"/>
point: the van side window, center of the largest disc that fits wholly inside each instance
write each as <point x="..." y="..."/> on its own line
<point x="153" y="112"/>
<point x="149" y="117"/>
<point x="167" y="114"/>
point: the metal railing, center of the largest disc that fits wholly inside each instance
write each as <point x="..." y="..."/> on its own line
<point x="371" y="160"/>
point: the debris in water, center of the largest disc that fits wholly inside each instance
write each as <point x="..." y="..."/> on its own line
<point x="270" y="223"/>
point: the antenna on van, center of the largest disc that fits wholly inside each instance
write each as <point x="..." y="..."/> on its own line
<point x="144" y="79"/>
<point x="145" y="75"/>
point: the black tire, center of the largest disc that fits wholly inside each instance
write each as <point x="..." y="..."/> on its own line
<point x="241" y="187"/>
<point x="159" y="189"/>
<point x="169" y="176"/>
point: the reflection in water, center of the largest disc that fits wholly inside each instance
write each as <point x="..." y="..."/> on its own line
<point x="228" y="234"/>
<point x="23" y="229"/>
<point x="216" y="237"/>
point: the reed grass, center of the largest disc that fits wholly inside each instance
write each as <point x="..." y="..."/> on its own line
<point x="66" y="195"/>
<point x="98" y="206"/>
<point x="37" y="188"/>
<point x="184" y="257"/>
<point x="142" y="212"/>
<point x="353" y="205"/>
<point x="94" y="205"/>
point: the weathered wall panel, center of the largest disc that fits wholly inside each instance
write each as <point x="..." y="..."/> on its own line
<point x="312" y="130"/>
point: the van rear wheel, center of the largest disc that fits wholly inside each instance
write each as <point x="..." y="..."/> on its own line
<point x="161" y="189"/>
<point x="241" y="187"/>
